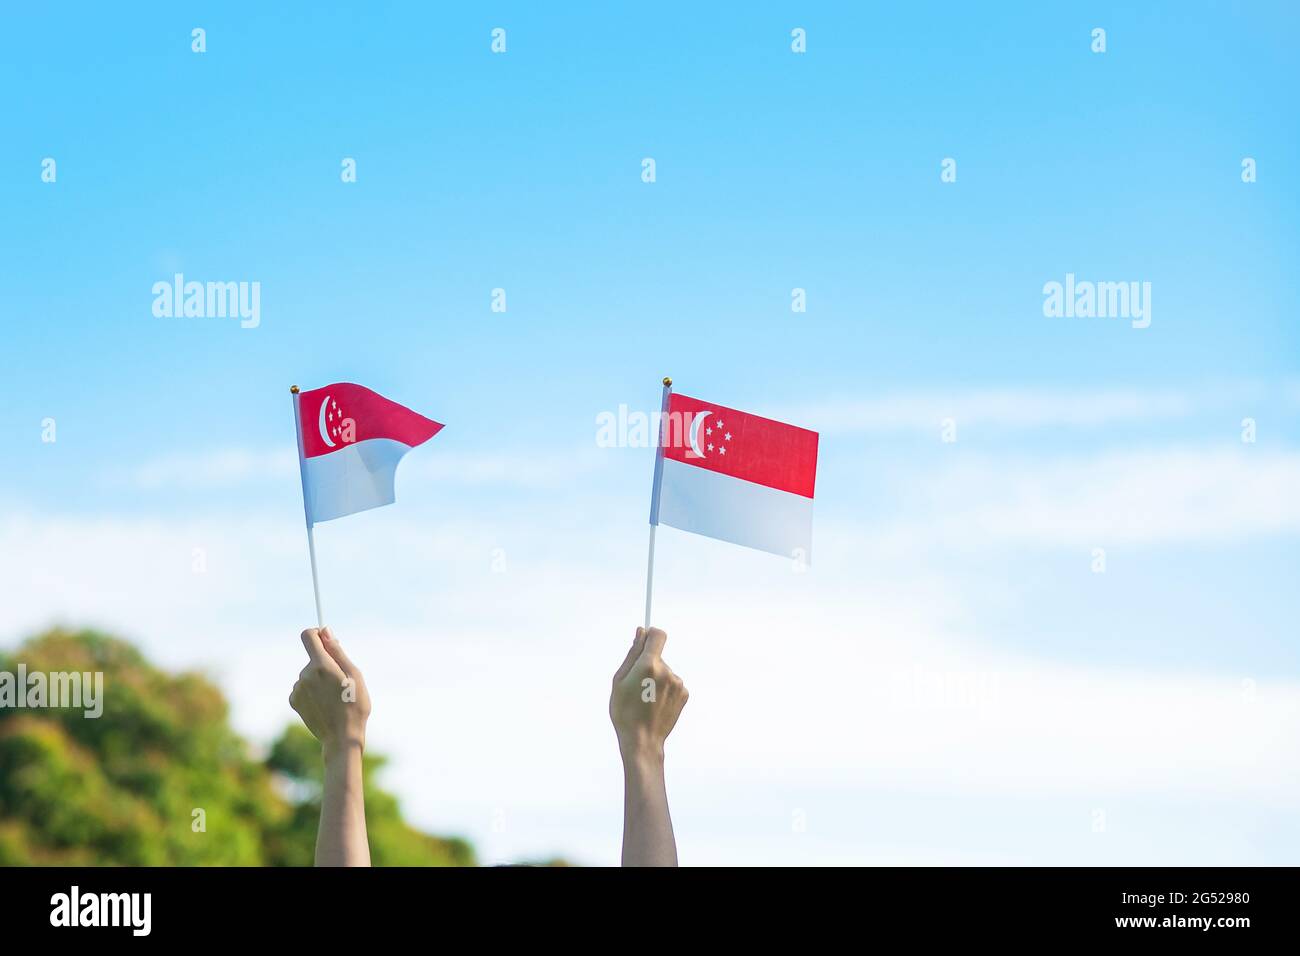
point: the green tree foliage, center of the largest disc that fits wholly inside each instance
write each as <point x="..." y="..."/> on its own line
<point x="123" y="789"/>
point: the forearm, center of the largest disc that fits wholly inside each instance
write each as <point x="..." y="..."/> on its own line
<point x="647" y="827"/>
<point x="341" y="839"/>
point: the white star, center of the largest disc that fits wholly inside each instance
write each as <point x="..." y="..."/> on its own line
<point x="728" y="436"/>
<point x="710" y="446"/>
<point x="719" y="423"/>
<point x="708" y="431"/>
<point x="722" y="451"/>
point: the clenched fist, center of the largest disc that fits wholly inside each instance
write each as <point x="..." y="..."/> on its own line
<point x="647" y="697"/>
<point x="330" y="695"/>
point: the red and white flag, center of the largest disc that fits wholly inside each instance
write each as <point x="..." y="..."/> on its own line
<point x="350" y="440"/>
<point x="735" y="476"/>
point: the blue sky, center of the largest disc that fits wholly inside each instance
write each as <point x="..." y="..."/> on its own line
<point x="774" y="171"/>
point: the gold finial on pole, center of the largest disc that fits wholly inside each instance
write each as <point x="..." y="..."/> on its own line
<point x="294" y="389"/>
<point x="667" y="381"/>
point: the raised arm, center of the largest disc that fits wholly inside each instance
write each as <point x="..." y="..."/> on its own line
<point x="332" y="699"/>
<point x="644" y="705"/>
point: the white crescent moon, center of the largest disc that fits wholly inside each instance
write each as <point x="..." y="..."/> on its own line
<point x="324" y="432"/>
<point x="695" y="432"/>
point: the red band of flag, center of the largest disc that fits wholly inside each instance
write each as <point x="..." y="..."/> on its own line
<point x="344" y="414"/>
<point x="741" y="445"/>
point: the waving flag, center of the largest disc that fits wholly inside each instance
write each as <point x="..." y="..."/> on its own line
<point x="350" y="440"/>
<point x="735" y="476"/>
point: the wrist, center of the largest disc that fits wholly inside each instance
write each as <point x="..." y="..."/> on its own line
<point x="342" y="749"/>
<point x="641" y="755"/>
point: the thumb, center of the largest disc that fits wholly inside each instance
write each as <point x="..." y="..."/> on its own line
<point x="655" y="639"/>
<point x="311" y="642"/>
<point x="633" y="653"/>
<point x="335" y="650"/>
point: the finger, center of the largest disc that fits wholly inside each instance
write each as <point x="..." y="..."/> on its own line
<point x="655" y="639"/>
<point x="335" y="650"/>
<point x="311" y="641"/>
<point x="638" y="642"/>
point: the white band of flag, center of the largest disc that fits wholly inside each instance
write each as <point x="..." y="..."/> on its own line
<point x="742" y="512"/>
<point x="354" y="478"/>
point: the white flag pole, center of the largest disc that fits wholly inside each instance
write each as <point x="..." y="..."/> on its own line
<point x="654" y="498"/>
<point x="306" y="509"/>
<point x="650" y="576"/>
<point x="315" y="583"/>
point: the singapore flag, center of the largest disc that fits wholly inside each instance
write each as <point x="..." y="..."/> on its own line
<point x="735" y="476"/>
<point x="350" y="440"/>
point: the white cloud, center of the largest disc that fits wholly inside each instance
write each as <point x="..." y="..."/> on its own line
<point x="220" y="468"/>
<point x="853" y="678"/>
<point x="865" y="679"/>
<point x="1168" y="495"/>
<point x="241" y="467"/>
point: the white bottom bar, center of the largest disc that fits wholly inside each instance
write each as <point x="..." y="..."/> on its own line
<point x="355" y="478"/>
<point x="731" y="509"/>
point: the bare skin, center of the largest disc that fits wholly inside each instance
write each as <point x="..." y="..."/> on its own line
<point x="646" y="700"/>
<point x="332" y="699"/>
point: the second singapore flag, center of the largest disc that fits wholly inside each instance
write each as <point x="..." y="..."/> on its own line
<point x="735" y="476"/>
<point x="350" y="440"/>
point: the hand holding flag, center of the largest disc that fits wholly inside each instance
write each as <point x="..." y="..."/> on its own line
<point x="644" y="704"/>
